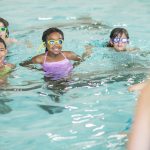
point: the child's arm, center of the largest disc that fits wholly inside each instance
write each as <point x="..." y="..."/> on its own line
<point x="35" y="60"/>
<point x="87" y="53"/>
<point x="15" y="41"/>
<point x="72" y="56"/>
<point x="132" y="49"/>
<point x="79" y="59"/>
<point x="26" y="63"/>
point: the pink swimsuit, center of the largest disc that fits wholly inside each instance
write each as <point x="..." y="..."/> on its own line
<point x="57" y="70"/>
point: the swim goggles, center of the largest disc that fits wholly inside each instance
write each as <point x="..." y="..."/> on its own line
<point x="52" y="42"/>
<point x="3" y="28"/>
<point x="123" y="40"/>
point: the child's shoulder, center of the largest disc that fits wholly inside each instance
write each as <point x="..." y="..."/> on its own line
<point x="39" y="58"/>
<point x="67" y="53"/>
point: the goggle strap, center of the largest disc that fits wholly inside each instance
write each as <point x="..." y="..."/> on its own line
<point x="41" y="47"/>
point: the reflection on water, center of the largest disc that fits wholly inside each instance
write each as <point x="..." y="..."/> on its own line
<point x="52" y="109"/>
<point x="81" y="23"/>
<point x="58" y="88"/>
<point x="4" y="108"/>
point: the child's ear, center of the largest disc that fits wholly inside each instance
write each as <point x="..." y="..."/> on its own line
<point x="111" y="42"/>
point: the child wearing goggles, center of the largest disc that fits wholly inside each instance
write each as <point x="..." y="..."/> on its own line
<point x="55" y="62"/>
<point x="119" y="39"/>
<point x="4" y="32"/>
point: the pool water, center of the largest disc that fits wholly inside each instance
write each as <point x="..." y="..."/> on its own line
<point x="94" y="109"/>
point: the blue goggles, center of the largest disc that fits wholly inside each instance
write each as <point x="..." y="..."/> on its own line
<point x="52" y="42"/>
<point x="122" y="40"/>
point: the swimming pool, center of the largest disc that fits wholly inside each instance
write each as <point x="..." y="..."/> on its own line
<point x="92" y="110"/>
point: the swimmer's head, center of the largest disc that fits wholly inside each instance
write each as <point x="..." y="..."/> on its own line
<point x="119" y="38"/>
<point x="50" y="31"/>
<point x="4" y="32"/>
<point x="3" y="49"/>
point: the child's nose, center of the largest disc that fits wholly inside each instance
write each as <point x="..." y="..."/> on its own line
<point x="119" y="43"/>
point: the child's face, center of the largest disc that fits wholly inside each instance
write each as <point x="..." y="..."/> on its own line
<point x="54" y="42"/>
<point x="120" y="42"/>
<point x="3" y="50"/>
<point x="2" y="31"/>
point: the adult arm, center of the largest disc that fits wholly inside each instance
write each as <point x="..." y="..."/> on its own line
<point x="140" y="132"/>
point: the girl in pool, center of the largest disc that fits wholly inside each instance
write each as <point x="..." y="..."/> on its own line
<point x="4" y="32"/>
<point x="119" y="39"/>
<point x="55" y="62"/>
<point x="5" y="68"/>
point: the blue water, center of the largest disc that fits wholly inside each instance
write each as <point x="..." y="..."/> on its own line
<point x="92" y="111"/>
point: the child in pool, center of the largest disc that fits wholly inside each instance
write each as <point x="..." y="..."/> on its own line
<point x="55" y="62"/>
<point x="4" y="32"/>
<point x="119" y="39"/>
<point x="5" y="68"/>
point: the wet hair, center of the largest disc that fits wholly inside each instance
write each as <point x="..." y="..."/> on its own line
<point x="6" y="24"/>
<point x="2" y="41"/>
<point x="115" y="32"/>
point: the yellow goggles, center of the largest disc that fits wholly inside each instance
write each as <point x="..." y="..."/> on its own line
<point x="52" y="42"/>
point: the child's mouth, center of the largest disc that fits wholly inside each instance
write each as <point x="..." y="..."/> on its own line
<point x="56" y="49"/>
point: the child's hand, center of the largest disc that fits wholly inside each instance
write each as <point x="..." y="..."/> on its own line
<point x="88" y="51"/>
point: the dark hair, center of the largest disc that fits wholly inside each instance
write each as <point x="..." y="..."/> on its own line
<point x="2" y="41"/>
<point x="6" y="24"/>
<point x="49" y="31"/>
<point x="115" y="32"/>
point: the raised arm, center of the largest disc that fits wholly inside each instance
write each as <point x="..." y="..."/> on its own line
<point x="72" y="56"/>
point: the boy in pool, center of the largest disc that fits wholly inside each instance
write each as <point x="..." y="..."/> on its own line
<point x="4" y="32"/>
<point x="55" y="62"/>
<point x="5" y="68"/>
